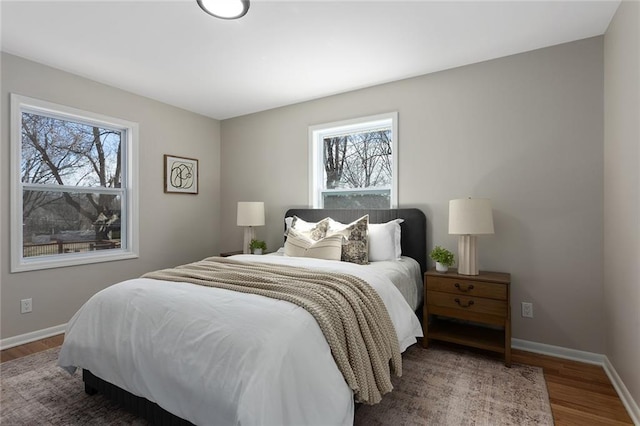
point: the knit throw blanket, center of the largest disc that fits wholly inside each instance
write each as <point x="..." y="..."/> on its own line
<point x="349" y="312"/>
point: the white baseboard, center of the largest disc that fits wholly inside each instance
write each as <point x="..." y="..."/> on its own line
<point x="558" y="352"/>
<point x="10" y="342"/>
<point x="625" y="396"/>
<point x="589" y="358"/>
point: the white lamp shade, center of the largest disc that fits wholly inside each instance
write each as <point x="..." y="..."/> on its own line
<point x="470" y="216"/>
<point x="250" y="213"/>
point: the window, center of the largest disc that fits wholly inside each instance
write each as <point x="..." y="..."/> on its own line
<point x="353" y="164"/>
<point x="73" y="186"/>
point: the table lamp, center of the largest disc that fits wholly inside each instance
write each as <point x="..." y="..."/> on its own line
<point x="469" y="217"/>
<point x="250" y="214"/>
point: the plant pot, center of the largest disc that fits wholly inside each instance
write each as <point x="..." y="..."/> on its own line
<point x="441" y="268"/>
<point x="257" y="251"/>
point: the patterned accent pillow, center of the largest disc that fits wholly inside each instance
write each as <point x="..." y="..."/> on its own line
<point x="315" y="231"/>
<point x="356" y="249"/>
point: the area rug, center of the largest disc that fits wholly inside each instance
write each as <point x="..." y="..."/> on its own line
<point x="446" y="386"/>
<point x="440" y="386"/>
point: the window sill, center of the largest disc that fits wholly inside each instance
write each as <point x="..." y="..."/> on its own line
<point x="35" y="264"/>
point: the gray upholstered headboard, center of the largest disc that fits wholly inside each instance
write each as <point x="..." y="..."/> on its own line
<point x="414" y="227"/>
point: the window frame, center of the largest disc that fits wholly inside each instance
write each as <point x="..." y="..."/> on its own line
<point x="316" y="170"/>
<point x="129" y="181"/>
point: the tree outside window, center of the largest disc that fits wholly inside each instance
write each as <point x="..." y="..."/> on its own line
<point x="353" y="163"/>
<point x="73" y="188"/>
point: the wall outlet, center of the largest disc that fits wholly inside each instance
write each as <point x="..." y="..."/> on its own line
<point x="527" y="309"/>
<point x="26" y="306"/>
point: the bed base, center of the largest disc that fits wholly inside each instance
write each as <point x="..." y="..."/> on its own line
<point x="139" y="406"/>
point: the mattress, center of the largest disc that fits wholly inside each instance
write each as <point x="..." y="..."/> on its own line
<point x="403" y="273"/>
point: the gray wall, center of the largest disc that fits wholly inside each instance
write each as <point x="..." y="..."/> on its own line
<point x="525" y="131"/>
<point x="174" y="228"/>
<point x="622" y="194"/>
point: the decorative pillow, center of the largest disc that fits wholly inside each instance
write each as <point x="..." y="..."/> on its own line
<point x="315" y="231"/>
<point x="297" y="245"/>
<point x="356" y="250"/>
<point x="384" y="240"/>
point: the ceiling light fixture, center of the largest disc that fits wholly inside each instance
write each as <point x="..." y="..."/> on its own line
<point x="225" y="9"/>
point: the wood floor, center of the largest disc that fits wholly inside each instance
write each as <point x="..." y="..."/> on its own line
<point x="580" y="394"/>
<point x="31" y="348"/>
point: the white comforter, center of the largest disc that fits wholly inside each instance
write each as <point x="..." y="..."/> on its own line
<point x="216" y="357"/>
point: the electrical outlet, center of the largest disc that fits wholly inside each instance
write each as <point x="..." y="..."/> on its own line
<point x="527" y="309"/>
<point x="26" y="306"/>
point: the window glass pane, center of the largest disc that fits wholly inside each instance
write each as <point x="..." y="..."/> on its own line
<point x="62" y="152"/>
<point x="352" y="163"/>
<point x="75" y="196"/>
<point x="357" y="201"/>
<point x="358" y="160"/>
<point x="65" y="222"/>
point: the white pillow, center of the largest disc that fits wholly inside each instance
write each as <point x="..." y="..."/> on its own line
<point x="300" y="224"/>
<point x="287" y="223"/>
<point x="328" y="248"/>
<point x="313" y="230"/>
<point x="384" y="240"/>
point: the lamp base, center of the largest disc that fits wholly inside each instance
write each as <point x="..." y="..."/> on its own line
<point x="249" y="234"/>
<point x="467" y="255"/>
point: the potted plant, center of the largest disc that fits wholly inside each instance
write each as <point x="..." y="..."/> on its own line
<point x="443" y="258"/>
<point x="257" y="246"/>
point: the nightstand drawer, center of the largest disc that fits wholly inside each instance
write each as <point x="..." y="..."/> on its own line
<point x="467" y="303"/>
<point x="467" y="287"/>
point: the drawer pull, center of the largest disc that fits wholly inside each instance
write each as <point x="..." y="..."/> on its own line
<point x="464" y="290"/>
<point x="463" y="306"/>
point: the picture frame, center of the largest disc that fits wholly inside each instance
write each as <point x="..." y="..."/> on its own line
<point x="180" y="175"/>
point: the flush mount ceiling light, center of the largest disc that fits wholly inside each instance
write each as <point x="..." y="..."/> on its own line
<point x="225" y="9"/>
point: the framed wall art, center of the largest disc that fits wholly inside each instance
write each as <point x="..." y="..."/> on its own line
<point x="180" y="175"/>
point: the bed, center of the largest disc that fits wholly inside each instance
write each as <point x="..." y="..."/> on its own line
<point x="155" y="347"/>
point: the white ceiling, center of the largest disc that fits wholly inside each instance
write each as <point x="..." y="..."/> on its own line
<point x="281" y="52"/>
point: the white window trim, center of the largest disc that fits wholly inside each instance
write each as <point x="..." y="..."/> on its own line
<point x="21" y="103"/>
<point x="316" y="133"/>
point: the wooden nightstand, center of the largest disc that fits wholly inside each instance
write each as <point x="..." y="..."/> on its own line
<point x="471" y="310"/>
<point x="230" y="253"/>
